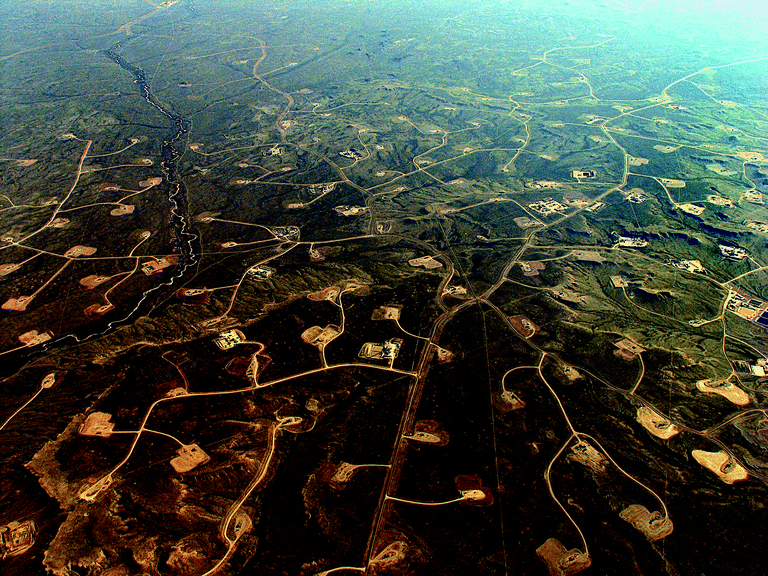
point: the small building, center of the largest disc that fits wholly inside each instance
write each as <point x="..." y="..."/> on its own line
<point x="274" y="151"/>
<point x="229" y="339"/>
<point x="16" y="538"/>
<point x="385" y="351"/>
<point x="35" y="338"/>
<point x="289" y="233"/>
<point x="548" y="206"/>
<point x="628" y="242"/>
<point x="594" y="207"/>
<point x="635" y="195"/>
<point x="690" y="266"/>
<point x="746" y="306"/>
<point x="732" y="252"/>
<point x="532" y="268"/>
<point x="324" y="188"/>
<point x="387" y="312"/>
<point x="351" y="153"/>
<point x="628" y="349"/>
<point x="158" y="265"/>
<point x="761" y="227"/>
<point x="345" y="210"/>
<point x="260" y="272"/>
<point x="619" y="282"/>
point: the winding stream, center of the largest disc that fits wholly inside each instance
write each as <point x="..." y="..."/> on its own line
<point x="184" y="238"/>
<point x="185" y="241"/>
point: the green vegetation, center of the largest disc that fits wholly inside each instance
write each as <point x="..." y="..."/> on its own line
<point x="549" y="220"/>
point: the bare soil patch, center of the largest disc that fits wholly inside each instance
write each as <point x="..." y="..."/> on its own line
<point x="150" y="182"/>
<point x="562" y="562"/>
<point x="654" y="525"/>
<point x="584" y="453"/>
<point x="97" y="424"/>
<point x="18" y="304"/>
<point x="320" y="337"/>
<point x="331" y="293"/>
<point x="656" y="424"/>
<point x="92" y="281"/>
<point x="532" y="268"/>
<point x="96" y="310"/>
<point x="189" y="457"/>
<point x="387" y="312"/>
<point x="672" y="183"/>
<point x="751" y="156"/>
<point x="122" y="210"/>
<point x="6" y="269"/>
<point x="471" y="487"/>
<point x="727" y="390"/>
<point x="77" y="251"/>
<point x="523" y="326"/>
<point x="33" y="337"/>
<point x="427" y="262"/>
<point x="720" y="463"/>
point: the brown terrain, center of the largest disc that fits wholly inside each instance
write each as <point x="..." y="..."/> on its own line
<point x="331" y="293"/>
<point x="189" y="457"/>
<point x="721" y="464"/>
<point x="628" y="349"/>
<point x="122" y="210"/>
<point x="471" y="487"/>
<point x="562" y="562"/>
<point x="97" y="424"/>
<point x="427" y="262"/>
<point x="96" y="310"/>
<point x="727" y="390"/>
<point x="532" y="268"/>
<point x="655" y="423"/>
<point x="33" y="337"/>
<point x="429" y="432"/>
<point x="6" y="269"/>
<point x="76" y="251"/>
<point x="654" y="525"/>
<point x="388" y="312"/>
<point x="523" y="326"/>
<point x="18" y="304"/>
<point x="150" y="182"/>
<point x="319" y="337"/>
<point x="585" y="453"/>
<point x="92" y="281"/>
